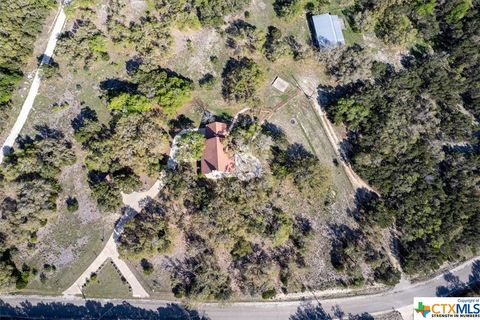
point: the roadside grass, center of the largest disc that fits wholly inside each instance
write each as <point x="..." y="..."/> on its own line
<point x="158" y="283"/>
<point x="108" y="284"/>
<point x="79" y="246"/>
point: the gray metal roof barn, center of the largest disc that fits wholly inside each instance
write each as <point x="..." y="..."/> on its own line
<point x="328" y="30"/>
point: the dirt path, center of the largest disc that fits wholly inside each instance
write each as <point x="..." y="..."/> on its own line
<point x="356" y="181"/>
<point x="310" y="91"/>
<point x="27" y="106"/>
<point x="133" y="201"/>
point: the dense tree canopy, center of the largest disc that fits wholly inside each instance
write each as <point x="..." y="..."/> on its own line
<point x="85" y="44"/>
<point x="287" y="8"/>
<point x="147" y="234"/>
<point x="167" y="88"/>
<point x="132" y="145"/>
<point x="414" y="138"/>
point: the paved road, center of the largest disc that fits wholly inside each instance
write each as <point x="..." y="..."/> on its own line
<point x="32" y="93"/>
<point x="399" y="299"/>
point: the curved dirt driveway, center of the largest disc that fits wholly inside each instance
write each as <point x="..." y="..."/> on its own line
<point x="132" y="201"/>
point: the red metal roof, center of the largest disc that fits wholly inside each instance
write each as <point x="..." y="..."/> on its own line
<point x="214" y="157"/>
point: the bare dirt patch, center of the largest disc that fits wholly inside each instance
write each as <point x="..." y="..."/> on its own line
<point x="192" y="51"/>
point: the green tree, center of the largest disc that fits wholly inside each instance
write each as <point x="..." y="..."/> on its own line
<point x="287" y="8"/>
<point x="169" y="90"/>
<point x="395" y="28"/>
<point x="190" y="146"/>
<point x="147" y="234"/>
<point x="212" y="12"/>
<point x="126" y="102"/>
<point x="350" y="112"/>
<point x="308" y="175"/>
<point x="458" y="9"/>
<point x="387" y="274"/>
<point x="241" y="79"/>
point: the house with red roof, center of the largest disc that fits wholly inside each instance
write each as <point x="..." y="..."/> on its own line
<point x="215" y="160"/>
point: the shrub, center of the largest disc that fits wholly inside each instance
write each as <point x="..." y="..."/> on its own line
<point x="146" y="266"/>
<point x="269" y="294"/>
<point x="22" y="280"/>
<point x="50" y="70"/>
<point x="395" y="28"/>
<point x="287" y="8"/>
<point x="387" y="274"/>
<point x="208" y="81"/>
<point x="43" y="278"/>
<point x="241" y="249"/>
<point x="72" y="204"/>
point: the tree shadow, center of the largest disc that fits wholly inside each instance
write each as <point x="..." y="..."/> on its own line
<point x="298" y="151"/>
<point x="86" y="113"/>
<point x="346" y="147"/>
<point x="275" y="132"/>
<point x="206" y="79"/>
<point x="45" y="59"/>
<point x="7" y="151"/>
<point x="114" y="87"/>
<point x="362" y="197"/>
<point x="209" y="117"/>
<point x="133" y="64"/>
<point x="45" y="132"/>
<point x="310" y="311"/>
<point x="315" y="311"/>
<point x="459" y="288"/>
<point x="96" y="310"/>
<point x="329" y="95"/>
<point x="178" y="124"/>
<point x="128" y="213"/>
<point x="238" y="26"/>
<point x="172" y="73"/>
<point x="341" y="236"/>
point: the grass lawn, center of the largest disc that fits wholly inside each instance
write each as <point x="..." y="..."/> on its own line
<point x="300" y="122"/>
<point x="108" y="284"/>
